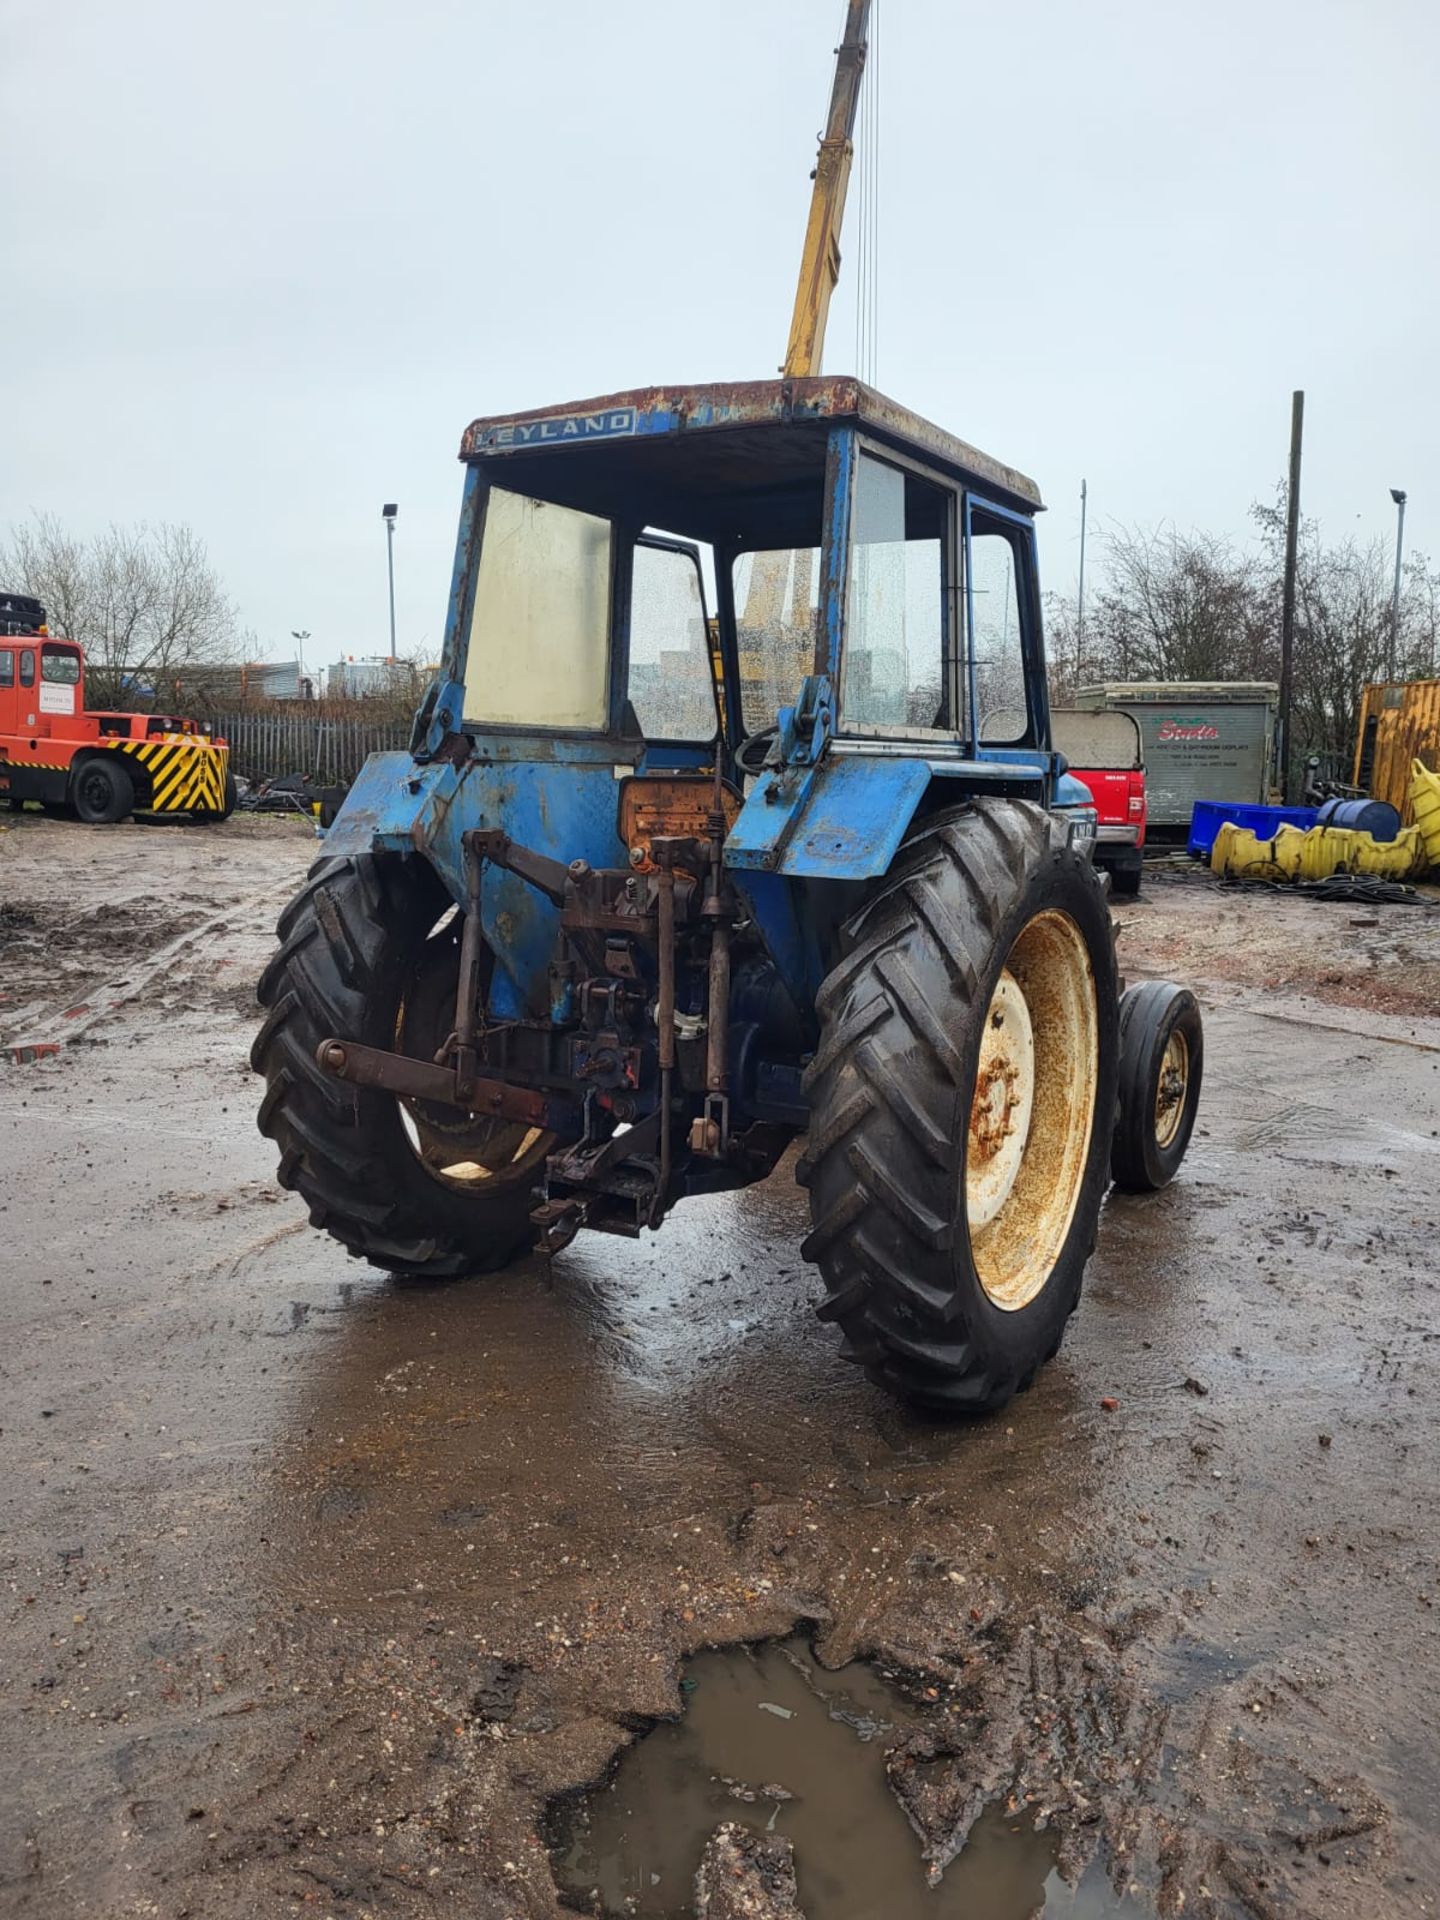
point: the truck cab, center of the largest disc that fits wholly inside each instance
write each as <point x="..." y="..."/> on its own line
<point x="42" y="690"/>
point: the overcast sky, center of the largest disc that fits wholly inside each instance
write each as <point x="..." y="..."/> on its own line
<point x="263" y="262"/>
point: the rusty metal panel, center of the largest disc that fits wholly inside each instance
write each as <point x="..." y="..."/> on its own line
<point x="669" y="806"/>
<point x="1398" y="724"/>
<point x="643" y="412"/>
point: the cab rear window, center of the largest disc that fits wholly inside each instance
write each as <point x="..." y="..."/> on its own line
<point x="27" y="667"/>
<point x="60" y="666"/>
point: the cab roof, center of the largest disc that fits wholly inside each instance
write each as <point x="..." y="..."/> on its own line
<point x="717" y="461"/>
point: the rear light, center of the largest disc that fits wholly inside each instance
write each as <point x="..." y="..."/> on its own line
<point x="1137" y="803"/>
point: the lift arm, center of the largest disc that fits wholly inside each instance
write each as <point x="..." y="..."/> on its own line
<point x="820" y="262"/>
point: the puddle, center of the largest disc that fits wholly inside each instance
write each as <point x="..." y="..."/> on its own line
<point x="768" y="1717"/>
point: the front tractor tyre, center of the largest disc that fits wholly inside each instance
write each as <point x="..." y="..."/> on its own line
<point x="370" y="953"/>
<point x="102" y="792"/>
<point x="1162" y="1059"/>
<point x="962" y="1102"/>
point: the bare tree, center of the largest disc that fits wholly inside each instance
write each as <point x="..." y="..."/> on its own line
<point x="143" y="601"/>
<point x="1073" y="659"/>
<point x="1179" y="606"/>
<point x="1342" y="629"/>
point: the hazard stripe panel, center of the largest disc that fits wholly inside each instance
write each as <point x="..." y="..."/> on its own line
<point x="185" y="776"/>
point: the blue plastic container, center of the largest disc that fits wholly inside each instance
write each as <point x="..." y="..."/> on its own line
<point x="1375" y="817"/>
<point x="1208" y="816"/>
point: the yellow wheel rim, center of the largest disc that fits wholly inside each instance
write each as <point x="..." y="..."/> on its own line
<point x="1173" y="1085"/>
<point x="1032" y="1110"/>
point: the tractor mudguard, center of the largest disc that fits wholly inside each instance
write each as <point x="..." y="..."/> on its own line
<point x="842" y="820"/>
<point x="845" y="818"/>
<point x="563" y="806"/>
<point x="394" y="807"/>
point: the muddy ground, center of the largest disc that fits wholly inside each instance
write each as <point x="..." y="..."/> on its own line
<point x="318" y="1588"/>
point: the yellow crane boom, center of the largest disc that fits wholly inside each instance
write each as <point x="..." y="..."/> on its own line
<point x="820" y="261"/>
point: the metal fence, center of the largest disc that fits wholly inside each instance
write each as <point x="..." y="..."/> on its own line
<point x="265" y="745"/>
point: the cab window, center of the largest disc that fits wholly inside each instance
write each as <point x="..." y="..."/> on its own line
<point x="895" y="677"/>
<point x="777" y="608"/>
<point x="672" y="693"/>
<point x="997" y="617"/>
<point x="27" y="667"/>
<point x="7" y="667"/>
<point x="539" y="653"/>
<point x="60" y="666"/>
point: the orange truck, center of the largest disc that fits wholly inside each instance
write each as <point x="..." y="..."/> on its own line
<point x="99" y="766"/>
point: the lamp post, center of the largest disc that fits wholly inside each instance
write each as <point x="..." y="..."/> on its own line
<point x="300" y="636"/>
<point x="1397" y="494"/>
<point x="1080" y="595"/>
<point x="389" y="511"/>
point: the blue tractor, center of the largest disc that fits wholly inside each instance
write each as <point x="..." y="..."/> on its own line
<point x="656" y="892"/>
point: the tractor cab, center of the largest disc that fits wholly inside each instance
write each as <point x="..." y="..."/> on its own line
<point x="872" y="577"/>
<point x="798" y="583"/>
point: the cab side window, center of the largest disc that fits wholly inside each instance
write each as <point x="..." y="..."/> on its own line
<point x="997" y="620"/>
<point x="7" y="667"/>
<point x="895" y="670"/>
<point x="27" y="667"/>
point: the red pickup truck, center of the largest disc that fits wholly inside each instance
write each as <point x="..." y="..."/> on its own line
<point x="1104" y="750"/>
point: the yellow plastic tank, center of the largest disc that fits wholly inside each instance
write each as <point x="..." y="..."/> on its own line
<point x="1314" y="854"/>
<point x="1425" y="805"/>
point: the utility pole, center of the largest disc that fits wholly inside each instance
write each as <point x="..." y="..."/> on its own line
<point x="1080" y="597"/>
<point x="1397" y="494"/>
<point x="390" y="510"/>
<point x="1287" y="607"/>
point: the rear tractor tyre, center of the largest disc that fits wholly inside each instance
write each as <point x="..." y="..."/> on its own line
<point x="961" y="1102"/>
<point x="102" y="792"/>
<point x="369" y="952"/>
<point x="1162" y="1059"/>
